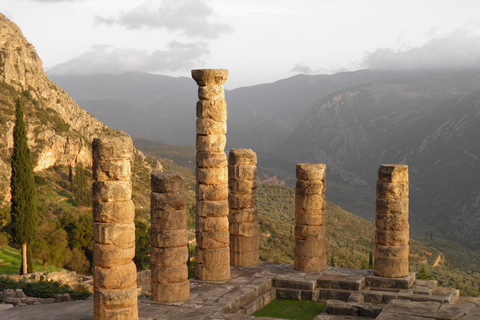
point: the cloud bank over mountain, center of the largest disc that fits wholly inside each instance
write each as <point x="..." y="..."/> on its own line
<point x="106" y="59"/>
<point x="456" y="51"/>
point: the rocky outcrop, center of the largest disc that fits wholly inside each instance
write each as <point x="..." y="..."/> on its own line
<point x="59" y="131"/>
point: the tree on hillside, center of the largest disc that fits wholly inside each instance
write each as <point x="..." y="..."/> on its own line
<point x="22" y="184"/>
<point x="81" y="187"/>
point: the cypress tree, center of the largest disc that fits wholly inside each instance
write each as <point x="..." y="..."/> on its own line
<point x="80" y="187"/>
<point x="22" y="184"/>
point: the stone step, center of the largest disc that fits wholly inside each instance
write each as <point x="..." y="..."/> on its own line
<point x="361" y="309"/>
<point x="257" y="303"/>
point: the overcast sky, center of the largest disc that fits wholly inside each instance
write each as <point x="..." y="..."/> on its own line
<point x="257" y="40"/>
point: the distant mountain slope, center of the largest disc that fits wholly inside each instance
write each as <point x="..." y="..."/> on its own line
<point x="162" y="108"/>
<point x="429" y="123"/>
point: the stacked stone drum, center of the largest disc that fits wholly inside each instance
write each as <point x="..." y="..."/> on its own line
<point x="392" y="228"/>
<point x="115" y="274"/>
<point x="310" y="218"/>
<point x="213" y="254"/>
<point x="169" y="240"/>
<point x="243" y="219"/>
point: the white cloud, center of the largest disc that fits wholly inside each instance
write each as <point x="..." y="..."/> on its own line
<point x="105" y="59"/>
<point x="190" y="17"/>
<point x="301" y="67"/>
<point x="459" y="50"/>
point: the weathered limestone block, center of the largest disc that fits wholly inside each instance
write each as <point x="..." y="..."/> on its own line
<point x="169" y="239"/>
<point x="211" y="143"/>
<point x="115" y="314"/>
<point x="243" y="215"/>
<point x="311" y="171"/>
<point x="213" y="272"/>
<point x="244" y="244"/>
<point x="170" y="257"/>
<point x="242" y="186"/>
<point x="115" y="276"/>
<point x="212" y="208"/>
<point x="392" y="190"/>
<point x="242" y="171"/>
<point x="244" y="229"/>
<point x="393" y="173"/>
<point x="212" y="92"/>
<point x="166" y="275"/>
<point x="209" y="77"/>
<point x="244" y="258"/>
<point x="240" y="157"/>
<point x="211" y="192"/>
<point x="211" y="159"/>
<point x="310" y="218"/>
<point x="212" y="224"/>
<point x="212" y="109"/>
<point x="391" y="220"/>
<point x="212" y="240"/>
<point x="209" y="126"/>
<point x="241" y="200"/>
<point x="309" y="202"/>
<point x="171" y="292"/>
<point x="211" y="175"/>
<point x="167" y="182"/>
<point x="392" y="206"/>
<point x="167" y="201"/>
<point x="113" y="212"/>
<point x="111" y="191"/>
<point x="120" y="234"/>
<point x="116" y="298"/>
<point x="113" y="170"/>
<point x="108" y="149"/>
<point x="110" y="255"/>
<point x="168" y="220"/>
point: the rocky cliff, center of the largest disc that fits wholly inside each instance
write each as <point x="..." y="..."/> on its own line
<point x="59" y="131"/>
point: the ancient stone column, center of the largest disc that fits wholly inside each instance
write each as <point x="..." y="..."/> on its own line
<point x="114" y="273"/>
<point x="213" y="253"/>
<point x="169" y="240"/>
<point x="243" y="219"/>
<point x="310" y="218"/>
<point x="392" y="229"/>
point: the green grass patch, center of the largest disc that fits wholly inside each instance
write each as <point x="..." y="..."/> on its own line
<point x="291" y="309"/>
<point x="11" y="259"/>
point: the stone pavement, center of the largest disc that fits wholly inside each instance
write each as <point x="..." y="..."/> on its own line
<point x="251" y="288"/>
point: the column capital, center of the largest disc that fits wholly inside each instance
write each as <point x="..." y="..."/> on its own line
<point x="209" y="77"/>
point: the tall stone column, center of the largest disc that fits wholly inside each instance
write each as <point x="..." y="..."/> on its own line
<point x="392" y="228"/>
<point x="310" y="218"/>
<point x="213" y="254"/>
<point x="114" y="273"/>
<point x="243" y="219"/>
<point x="169" y="240"/>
